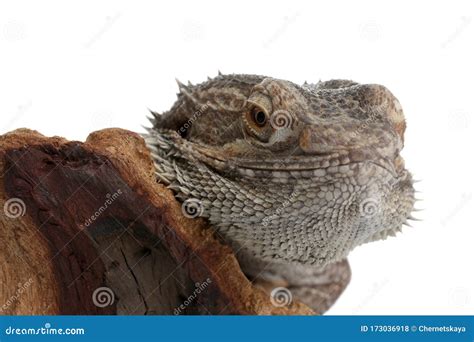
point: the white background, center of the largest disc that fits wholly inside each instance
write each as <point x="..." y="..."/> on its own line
<point x="71" y="69"/>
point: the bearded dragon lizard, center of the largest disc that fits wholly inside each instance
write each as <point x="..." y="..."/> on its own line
<point x="292" y="177"/>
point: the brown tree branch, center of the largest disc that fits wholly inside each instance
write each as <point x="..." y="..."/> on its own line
<point x="86" y="229"/>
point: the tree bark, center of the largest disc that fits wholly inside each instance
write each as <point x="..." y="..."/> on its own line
<point x="86" y="229"/>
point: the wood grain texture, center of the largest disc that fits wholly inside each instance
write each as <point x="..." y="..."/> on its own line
<point x="94" y="217"/>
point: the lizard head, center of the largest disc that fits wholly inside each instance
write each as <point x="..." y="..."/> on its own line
<point x="268" y="119"/>
<point x="336" y="144"/>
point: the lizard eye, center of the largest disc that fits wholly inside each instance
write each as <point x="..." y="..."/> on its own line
<point x="256" y="123"/>
<point x="259" y="117"/>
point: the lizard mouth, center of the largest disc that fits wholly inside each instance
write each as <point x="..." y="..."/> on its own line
<point x="342" y="162"/>
<point x="316" y="165"/>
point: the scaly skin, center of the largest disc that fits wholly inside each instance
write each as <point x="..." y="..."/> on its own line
<point x="292" y="177"/>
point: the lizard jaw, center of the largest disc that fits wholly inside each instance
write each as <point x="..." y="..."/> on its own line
<point x="323" y="166"/>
